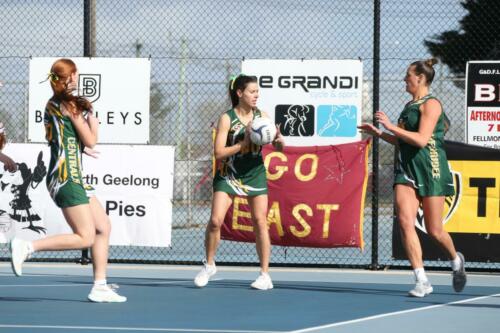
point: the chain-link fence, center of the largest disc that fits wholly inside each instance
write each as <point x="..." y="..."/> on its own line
<point x="194" y="47"/>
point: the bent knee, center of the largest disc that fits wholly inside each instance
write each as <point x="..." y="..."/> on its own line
<point x="435" y="232"/>
<point x="215" y="224"/>
<point x="88" y="241"/>
<point x="104" y="228"/>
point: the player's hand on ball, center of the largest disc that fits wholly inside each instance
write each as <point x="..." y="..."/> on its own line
<point x="245" y="144"/>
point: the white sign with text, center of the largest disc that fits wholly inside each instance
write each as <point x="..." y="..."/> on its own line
<point x="315" y="102"/>
<point x="117" y="87"/>
<point x="482" y="103"/>
<point x="133" y="183"/>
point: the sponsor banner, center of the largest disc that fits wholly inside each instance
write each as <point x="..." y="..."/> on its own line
<point x="133" y="183"/>
<point x="482" y="125"/>
<point x="315" y="102"/>
<point x="472" y="215"/>
<point x="117" y="87"/>
<point x="316" y="197"/>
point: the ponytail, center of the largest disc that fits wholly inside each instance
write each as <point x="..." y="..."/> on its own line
<point x="431" y="62"/>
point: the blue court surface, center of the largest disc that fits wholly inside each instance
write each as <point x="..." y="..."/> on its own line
<point x="52" y="298"/>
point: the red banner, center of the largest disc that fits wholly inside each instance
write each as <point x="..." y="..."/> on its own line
<point x="316" y="197"/>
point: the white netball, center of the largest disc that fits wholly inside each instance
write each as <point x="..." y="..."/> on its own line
<point x="263" y="131"/>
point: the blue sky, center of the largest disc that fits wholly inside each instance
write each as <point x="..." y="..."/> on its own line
<point x="217" y="34"/>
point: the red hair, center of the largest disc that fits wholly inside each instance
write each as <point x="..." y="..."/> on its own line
<point x="60" y="71"/>
<point x="2" y="140"/>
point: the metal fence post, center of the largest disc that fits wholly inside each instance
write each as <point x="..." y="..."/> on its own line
<point x="88" y="51"/>
<point x="375" y="157"/>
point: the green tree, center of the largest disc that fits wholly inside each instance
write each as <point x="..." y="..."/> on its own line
<point x="478" y="37"/>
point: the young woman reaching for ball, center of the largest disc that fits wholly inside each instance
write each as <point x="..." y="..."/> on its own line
<point x="241" y="172"/>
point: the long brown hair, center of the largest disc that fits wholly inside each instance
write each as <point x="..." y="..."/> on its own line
<point x="2" y="136"/>
<point x="60" y="71"/>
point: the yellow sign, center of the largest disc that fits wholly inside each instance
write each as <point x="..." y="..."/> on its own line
<point x="475" y="208"/>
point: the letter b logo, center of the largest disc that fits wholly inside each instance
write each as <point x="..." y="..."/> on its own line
<point x="90" y="86"/>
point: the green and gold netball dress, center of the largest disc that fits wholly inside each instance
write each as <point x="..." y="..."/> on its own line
<point x="243" y="173"/>
<point x="64" y="179"/>
<point x="426" y="169"/>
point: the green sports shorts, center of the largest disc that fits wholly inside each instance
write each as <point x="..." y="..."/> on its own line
<point x="71" y="194"/>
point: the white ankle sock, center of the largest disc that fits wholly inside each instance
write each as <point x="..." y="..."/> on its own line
<point x="455" y="263"/>
<point x="100" y="282"/>
<point x="30" y="248"/>
<point x="420" y="275"/>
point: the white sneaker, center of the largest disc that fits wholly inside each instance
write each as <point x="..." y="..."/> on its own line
<point x="201" y="280"/>
<point x="19" y="251"/>
<point x="105" y="294"/>
<point x="421" y="289"/>
<point x="263" y="282"/>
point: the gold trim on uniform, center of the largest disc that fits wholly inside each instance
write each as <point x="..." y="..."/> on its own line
<point x="433" y="153"/>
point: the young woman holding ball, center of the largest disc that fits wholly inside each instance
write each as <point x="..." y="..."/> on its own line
<point x="241" y="172"/>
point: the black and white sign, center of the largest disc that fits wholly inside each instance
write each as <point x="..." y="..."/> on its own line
<point x="117" y="87"/>
<point x="133" y="183"/>
<point x="482" y="103"/>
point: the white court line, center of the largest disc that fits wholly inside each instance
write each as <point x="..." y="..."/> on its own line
<point x="389" y="314"/>
<point x="142" y="329"/>
<point x="29" y="275"/>
<point x="44" y="285"/>
<point x="89" y="284"/>
<point x="155" y="267"/>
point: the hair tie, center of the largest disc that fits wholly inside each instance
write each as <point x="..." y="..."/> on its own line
<point x="233" y="79"/>
<point x="52" y="77"/>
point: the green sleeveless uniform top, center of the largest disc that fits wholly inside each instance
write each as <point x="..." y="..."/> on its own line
<point x="64" y="178"/>
<point x="426" y="169"/>
<point x="242" y="173"/>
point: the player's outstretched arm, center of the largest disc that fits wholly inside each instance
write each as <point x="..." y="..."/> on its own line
<point x="8" y="163"/>
<point x="374" y="131"/>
